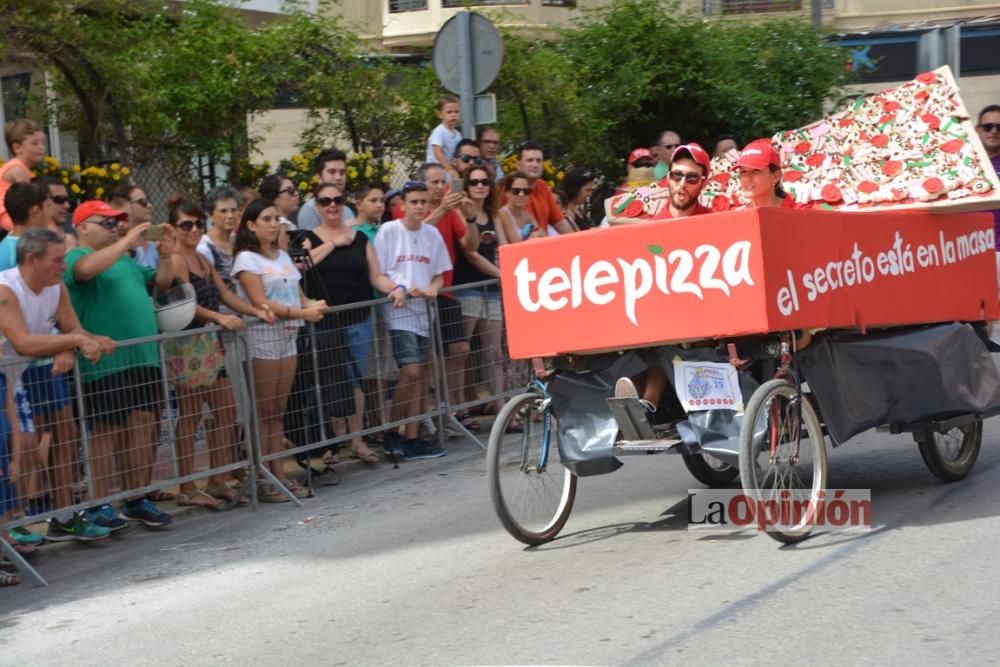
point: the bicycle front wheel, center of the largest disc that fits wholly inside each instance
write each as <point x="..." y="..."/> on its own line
<point x="783" y="458"/>
<point x="532" y="492"/>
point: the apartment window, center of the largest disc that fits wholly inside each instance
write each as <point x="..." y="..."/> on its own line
<point x="15" y="95"/>
<point x="396" y="6"/>
<point x="558" y="3"/>
<point x="481" y="3"/>
<point x="751" y="6"/>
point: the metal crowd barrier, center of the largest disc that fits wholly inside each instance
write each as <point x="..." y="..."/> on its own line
<point x="121" y="436"/>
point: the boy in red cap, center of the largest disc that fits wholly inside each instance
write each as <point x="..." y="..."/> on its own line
<point x="640" y="170"/>
<point x="760" y="175"/>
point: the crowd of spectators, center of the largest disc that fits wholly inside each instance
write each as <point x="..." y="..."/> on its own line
<point x="260" y="265"/>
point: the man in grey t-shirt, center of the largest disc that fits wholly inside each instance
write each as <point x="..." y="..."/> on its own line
<point x="331" y="167"/>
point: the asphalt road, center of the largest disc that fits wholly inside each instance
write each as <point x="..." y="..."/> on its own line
<point x="410" y="566"/>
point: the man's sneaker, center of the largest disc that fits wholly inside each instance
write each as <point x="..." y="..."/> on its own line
<point x="76" y="529"/>
<point x="105" y="517"/>
<point x="421" y="449"/>
<point x="22" y="535"/>
<point x="145" y="511"/>
<point x="625" y="388"/>
<point x="393" y="444"/>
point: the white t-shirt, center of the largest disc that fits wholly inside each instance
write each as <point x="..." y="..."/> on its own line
<point x="411" y="259"/>
<point x="446" y="139"/>
<point x="38" y="310"/>
<point x="280" y="277"/>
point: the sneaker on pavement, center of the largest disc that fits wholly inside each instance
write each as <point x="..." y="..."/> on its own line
<point x="145" y="511"/>
<point x="428" y="428"/>
<point x="105" y="517"/>
<point x="393" y="444"/>
<point x="22" y="535"/>
<point x="78" y="528"/>
<point x="421" y="449"/>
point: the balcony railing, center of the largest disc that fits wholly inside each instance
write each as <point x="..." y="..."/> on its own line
<point x="396" y="6"/>
<point x="727" y="7"/>
<point x="448" y="4"/>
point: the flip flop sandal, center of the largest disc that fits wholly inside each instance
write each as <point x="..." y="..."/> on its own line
<point x="367" y="456"/>
<point x="161" y="496"/>
<point x="8" y="579"/>
<point x="227" y="494"/>
<point x="185" y="500"/>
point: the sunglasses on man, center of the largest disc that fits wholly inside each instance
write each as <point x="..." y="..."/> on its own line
<point x="141" y="201"/>
<point x="59" y="200"/>
<point x="990" y="127"/>
<point x="106" y="223"/>
<point x="689" y="177"/>
<point x="475" y="159"/>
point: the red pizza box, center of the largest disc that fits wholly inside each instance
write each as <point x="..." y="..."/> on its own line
<point x="745" y="272"/>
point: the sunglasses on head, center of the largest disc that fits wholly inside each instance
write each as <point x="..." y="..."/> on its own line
<point x="475" y="159"/>
<point x="290" y="190"/>
<point x="519" y="191"/>
<point x="59" y="200"/>
<point x="107" y="223"/>
<point x="690" y="178"/>
<point x="990" y="127"/>
<point x="326" y="201"/>
<point x="188" y="225"/>
<point x="414" y="186"/>
<point x="142" y="201"/>
<point x="478" y="181"/>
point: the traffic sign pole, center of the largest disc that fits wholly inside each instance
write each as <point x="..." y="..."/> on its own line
<point x="467" y="93"/>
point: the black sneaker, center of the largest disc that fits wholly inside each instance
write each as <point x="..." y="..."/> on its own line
<point x="145" y="511"/>
<point x="421" y="449"/>
<point x="105" y="517"/>
<point x="78" y="528"/>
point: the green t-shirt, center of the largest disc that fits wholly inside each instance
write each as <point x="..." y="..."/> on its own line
<point x="369" y="230"/>
<point x="115" y="304"/>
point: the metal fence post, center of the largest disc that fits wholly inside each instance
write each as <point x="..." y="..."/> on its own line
<point x="88" y="463"/>
<point x="171" y="433"/>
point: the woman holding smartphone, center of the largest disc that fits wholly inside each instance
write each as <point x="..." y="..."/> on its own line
<point x="481" y="305"/>
<point x="515" y="221"/>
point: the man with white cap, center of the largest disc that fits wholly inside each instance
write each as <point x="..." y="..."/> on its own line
<point x="121" y="392"/>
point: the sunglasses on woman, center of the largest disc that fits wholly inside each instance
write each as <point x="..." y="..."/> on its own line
<point x="188" y="225"/>
<point x="326" y="201"/>
<point x="142" y="201"/>
<point x="478" y="181"/>
<point x="290" y="190"/>
<point x="519" y="191"/>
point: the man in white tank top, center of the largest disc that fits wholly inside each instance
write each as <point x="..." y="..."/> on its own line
<point x="33" y="301"/>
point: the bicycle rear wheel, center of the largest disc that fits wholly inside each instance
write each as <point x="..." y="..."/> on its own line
<point x="532" y="492"/>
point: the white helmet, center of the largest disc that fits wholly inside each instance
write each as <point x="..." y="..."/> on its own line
<point x="175" y="308"/>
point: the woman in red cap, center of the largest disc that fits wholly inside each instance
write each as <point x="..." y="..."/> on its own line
<point x="760" y="176"/>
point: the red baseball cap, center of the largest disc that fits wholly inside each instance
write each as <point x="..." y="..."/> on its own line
<point x="94" y="207"/>
<point x="640" y="153"/>
<point x="758" y="154"/>
<point x="695" y="152"/>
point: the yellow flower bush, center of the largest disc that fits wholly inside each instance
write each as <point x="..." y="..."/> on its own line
<point x="551" y="174"/>
<point x="82" y="183"/>
<point x="361" y="168"/>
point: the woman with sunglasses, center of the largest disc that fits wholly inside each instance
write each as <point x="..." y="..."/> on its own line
<point x="481" y="305"/>
<point x="344" y="272"/>
<point x="282" y="192"/>
<point x="515" y="221"/>
<point x="269" y="280"/>
<point x="195" y="364"/>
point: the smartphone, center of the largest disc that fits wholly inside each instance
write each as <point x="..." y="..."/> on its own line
<point x="154" y="233"/>
<point x="457" y="185"/>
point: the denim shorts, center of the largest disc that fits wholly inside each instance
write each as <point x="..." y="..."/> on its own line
<point x="408" y="347"/>
<point x="359" y="340"/>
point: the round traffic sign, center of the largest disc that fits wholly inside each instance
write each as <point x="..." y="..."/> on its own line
<point x="486" y="52"/>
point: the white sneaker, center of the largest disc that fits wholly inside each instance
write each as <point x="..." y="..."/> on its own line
<point x="428" y="428"/>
